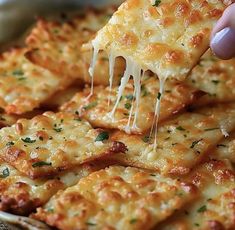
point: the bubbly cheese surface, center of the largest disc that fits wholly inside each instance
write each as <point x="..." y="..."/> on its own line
<point x="53" y="142"/>
<point x="23" y="85"/>
<point x="61" y="46"/>
<point x="214" y="207"/>
<point x="182" y="142"/>
<point x="116" y="198"/>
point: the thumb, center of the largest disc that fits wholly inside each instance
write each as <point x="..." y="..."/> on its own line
<point x="223" y="35"/>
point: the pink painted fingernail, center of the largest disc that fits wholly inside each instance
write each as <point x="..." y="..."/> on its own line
<point x="223" y="43"/>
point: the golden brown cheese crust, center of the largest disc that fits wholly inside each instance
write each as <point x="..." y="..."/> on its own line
<point x="97" y="108"/>
<point x="116" y="198"/>
<point x="215" y="77"/>
<point x="215" y="206"/>
<point x="23" y="85"/>
<point x="167" y="37"/>
<point x="58" y="47"/>
<point x="182" y="142"/>
<point x="7" y="120"/>
<point x="49" y="143"/>
<point x="21" y="195"/>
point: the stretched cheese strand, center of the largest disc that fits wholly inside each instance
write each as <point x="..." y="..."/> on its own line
<point x="112" y="58"/>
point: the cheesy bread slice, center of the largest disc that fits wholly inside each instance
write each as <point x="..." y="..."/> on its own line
<point x="215" y="206"/>
<point x="50" y="143"/>
<point x="23" y="85"/>
<point x="182" y="142"/>
<point x="22" y="195"/>
<point x="97" y="109"/>
<point x="166" y="37"/>
<point x="58" y="46"/>
<point x="215" y="77"/>
<point x="116" y="198"/>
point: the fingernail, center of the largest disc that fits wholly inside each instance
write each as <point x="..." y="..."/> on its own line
<point x="223" y="43"/>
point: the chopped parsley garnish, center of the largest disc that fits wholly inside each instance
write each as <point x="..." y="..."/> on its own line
<point x="18" y="72"/>
<point x="129" y="97"/>
<point x="90" y="224"/>
<point x="216" y="82"/>
<point x="133" y="221"/>
<point x="102" y="136"/>
<point x="58" y="130"/>
<point x="202" y="209"/>
<point x="10" y="143"/>
<point x="51" y="210"/>
<point x="157" y="3"/>
<point x="152" y="175"/>
<point x="196" y="224"/>
<point x="91" y="105"/>
<point x="5" y="173"/>
<point x="28" y="140"/>
<point x="195" y="143"/>
<point x="21" y="78"/>
<point x="211" y="129"/>
<point x="146" y="139"/>
<point x="221" y="145"/>
<point x="41" y="164"/>
<point x="159" y="95"/>
<point x="180" y="128"/>
<point x="127" y="105"/>
<point x="144" y="91"/>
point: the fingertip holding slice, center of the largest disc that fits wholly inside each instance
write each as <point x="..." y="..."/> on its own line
<point x="50" y="143"/>
<point x="116" y="198"/>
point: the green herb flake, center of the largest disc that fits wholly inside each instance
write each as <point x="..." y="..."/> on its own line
<point x="146" y="139"/>
<point x="18" y="72"/>
<point x="211" y="129"/>
<point x="51" y="210"/>
<point x="180" y="128"/>
<point x="216" y="82"/>
<point x="221" y="145"/>
<point x="58" y="130"/>
<point x="196" y="224"/>
<point x="195" y="143"/>
<point x="41" y="164"/>
<point x="129" y="97"/>
<point x="157" y="3"/>
<point x="90" y="224"/>
<point x="28" y="140"/>
<point x="91" y="105"/>
<point x="159" y="95"/>
<point x="102" y="136"/>
<point x="127" y="105"/>
<point x="133" y="221"/>
<point x="202" y="209"/>
<point x="10" y="143"/>
<point x="5" y="173"/>
<point x="144" y="91"/>
<point x="41" y="138"/>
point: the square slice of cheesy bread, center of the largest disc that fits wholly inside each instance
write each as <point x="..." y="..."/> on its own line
<point x="58" y="46"/>
<point x="167" y="37"/>
<point x="22" y="195"/>
<point x="23" y="85"/>
<point x="214" y="207"/>
<point x="116" y="198"/>
<point x="182" y="142"/>
<point x="97" y="108"/>
<point x="50" y="143"/>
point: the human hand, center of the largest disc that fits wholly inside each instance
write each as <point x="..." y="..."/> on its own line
<point x="223" y="35"/>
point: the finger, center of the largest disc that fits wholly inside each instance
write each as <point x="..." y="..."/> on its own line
<point x="223" y="35"/>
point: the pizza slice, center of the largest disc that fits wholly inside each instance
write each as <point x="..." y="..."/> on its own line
<point x="58" y="46"/>
<point x="99" y="106"/>
<point x="22" y="195"/>
<point x="166" y="37"/>
<point x="215" y="77"/>
<point x="182" y="142"/>
<point x="23" y="85"/>
<point x="214" y="208"/>
<point x="116" y="198"/>
<point x="50" y="143"/>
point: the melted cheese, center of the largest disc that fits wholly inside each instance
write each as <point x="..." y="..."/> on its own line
<point x="116" y="198"/>
<point x="167" y="38"/>
<point x="97" y="111"/>
<point x="183" y="141"/>
<point x="53" y="142"/>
